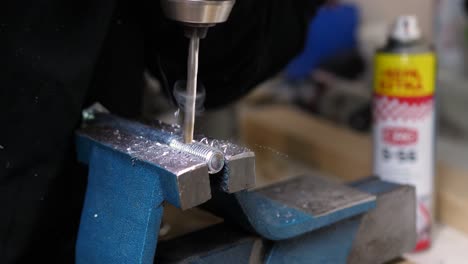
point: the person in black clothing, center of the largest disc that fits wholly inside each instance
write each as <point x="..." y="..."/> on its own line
<point x="58" y="56"/>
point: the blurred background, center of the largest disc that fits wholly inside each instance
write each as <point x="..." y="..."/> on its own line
<point x="317" y="113"/>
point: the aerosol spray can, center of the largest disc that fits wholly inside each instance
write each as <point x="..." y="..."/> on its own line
<point x="404" y="117"/>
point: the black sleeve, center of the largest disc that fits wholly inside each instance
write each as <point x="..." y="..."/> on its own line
<point x="256" y="42"/>
<point x="48" y="50"/>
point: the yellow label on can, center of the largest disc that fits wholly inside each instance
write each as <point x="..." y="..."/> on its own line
<point x="404" y="75"/>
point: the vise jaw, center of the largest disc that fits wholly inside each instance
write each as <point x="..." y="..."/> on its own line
<point x="131" y="173"/>
<point x="308" y="219"/>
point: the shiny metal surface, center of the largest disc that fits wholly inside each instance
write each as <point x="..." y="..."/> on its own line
<point x="239" y="164"/>
<point x="187" y="173"/>
<point x="316" y="195"/>
<point x="293" y="208"/>
<point x="192" y="79"/>
<point x="239" y="172"/>
<point x="203" y="12"/>
<point x="239" y="169"/>
<point x="152" y="142"/>
<point x="170" y="136"/>
<point x="213" y="158"/>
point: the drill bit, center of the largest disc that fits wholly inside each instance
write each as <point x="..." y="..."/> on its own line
<point x="192" y="72"/>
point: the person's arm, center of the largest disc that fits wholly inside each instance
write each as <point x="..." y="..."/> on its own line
<point x="257" y="41"/>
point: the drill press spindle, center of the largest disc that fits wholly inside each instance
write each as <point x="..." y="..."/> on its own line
<point x="197" y="16"/>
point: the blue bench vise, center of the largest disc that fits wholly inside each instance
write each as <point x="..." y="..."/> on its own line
<point x="133" y="172"/>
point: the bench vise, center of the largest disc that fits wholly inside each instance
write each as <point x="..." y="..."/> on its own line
<point x="134" y="170"/>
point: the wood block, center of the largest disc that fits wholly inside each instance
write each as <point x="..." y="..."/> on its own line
<point x="317" y="142"/>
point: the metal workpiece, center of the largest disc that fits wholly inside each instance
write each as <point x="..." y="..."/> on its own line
<point x="239" y="170"/>
<point x="213" y="158"/>
<point x="237" y="166"/>
<point x="163" y="134"/>
<point x="239" y="162"/>
<point x="186" y="176"/>
<point x="201" y="12"/>
<point x="168" y="135"/>
<point x="239" y="173"/>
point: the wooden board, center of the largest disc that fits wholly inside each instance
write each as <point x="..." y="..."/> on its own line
<point x="452" y="184"/>
<point x="316" y="142"/>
